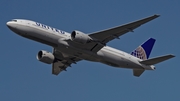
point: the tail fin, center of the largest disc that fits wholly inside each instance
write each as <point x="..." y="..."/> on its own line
<point x="144" y="50"/>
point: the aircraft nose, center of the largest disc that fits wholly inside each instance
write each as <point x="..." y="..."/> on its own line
<point x="9" y="24"/>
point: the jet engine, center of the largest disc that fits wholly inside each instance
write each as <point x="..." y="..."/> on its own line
<point x="80" y="37"/>
<point x="46" y="57"/>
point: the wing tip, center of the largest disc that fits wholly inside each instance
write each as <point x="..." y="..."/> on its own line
<point x="157" y="15"/>
<point x="171" y="55"/>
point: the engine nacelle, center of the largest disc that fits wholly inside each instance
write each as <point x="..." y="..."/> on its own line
<point x="46" y="57"/>
<point x="80" y="37"/>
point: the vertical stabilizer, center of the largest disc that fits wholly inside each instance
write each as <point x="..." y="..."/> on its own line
<point x="144" y="50"/>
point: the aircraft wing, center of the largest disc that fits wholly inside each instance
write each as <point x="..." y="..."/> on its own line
<point x="107" y="35"/>
<point x="63" y="61"/>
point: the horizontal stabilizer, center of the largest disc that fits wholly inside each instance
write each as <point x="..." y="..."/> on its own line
<point x="138" y="72"/>
<point x="156" y="60"/>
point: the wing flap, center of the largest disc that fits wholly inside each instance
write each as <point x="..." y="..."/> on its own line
<point x="156" y="60"/>
<point x="97" y="47"/>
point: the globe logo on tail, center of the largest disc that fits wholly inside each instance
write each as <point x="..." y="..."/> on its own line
<point x="139" y="53"/>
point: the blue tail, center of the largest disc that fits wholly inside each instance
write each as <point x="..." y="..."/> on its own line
<point x="144" y="50"/>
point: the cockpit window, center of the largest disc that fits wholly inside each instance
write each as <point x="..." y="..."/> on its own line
<point x="14" y="20"/>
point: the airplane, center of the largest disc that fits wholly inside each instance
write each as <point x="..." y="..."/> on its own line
<point x="70" y="48"/>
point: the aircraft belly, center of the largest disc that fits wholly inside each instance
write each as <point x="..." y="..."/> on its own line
<point x="113" y="60"/>
<point x="117" y="60"/>
<point x="54" y="40"/>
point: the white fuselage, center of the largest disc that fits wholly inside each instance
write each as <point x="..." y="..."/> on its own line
<point x="55" y="38"/>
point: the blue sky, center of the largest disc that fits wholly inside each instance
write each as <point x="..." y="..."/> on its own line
<point x="23" y="77"/>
